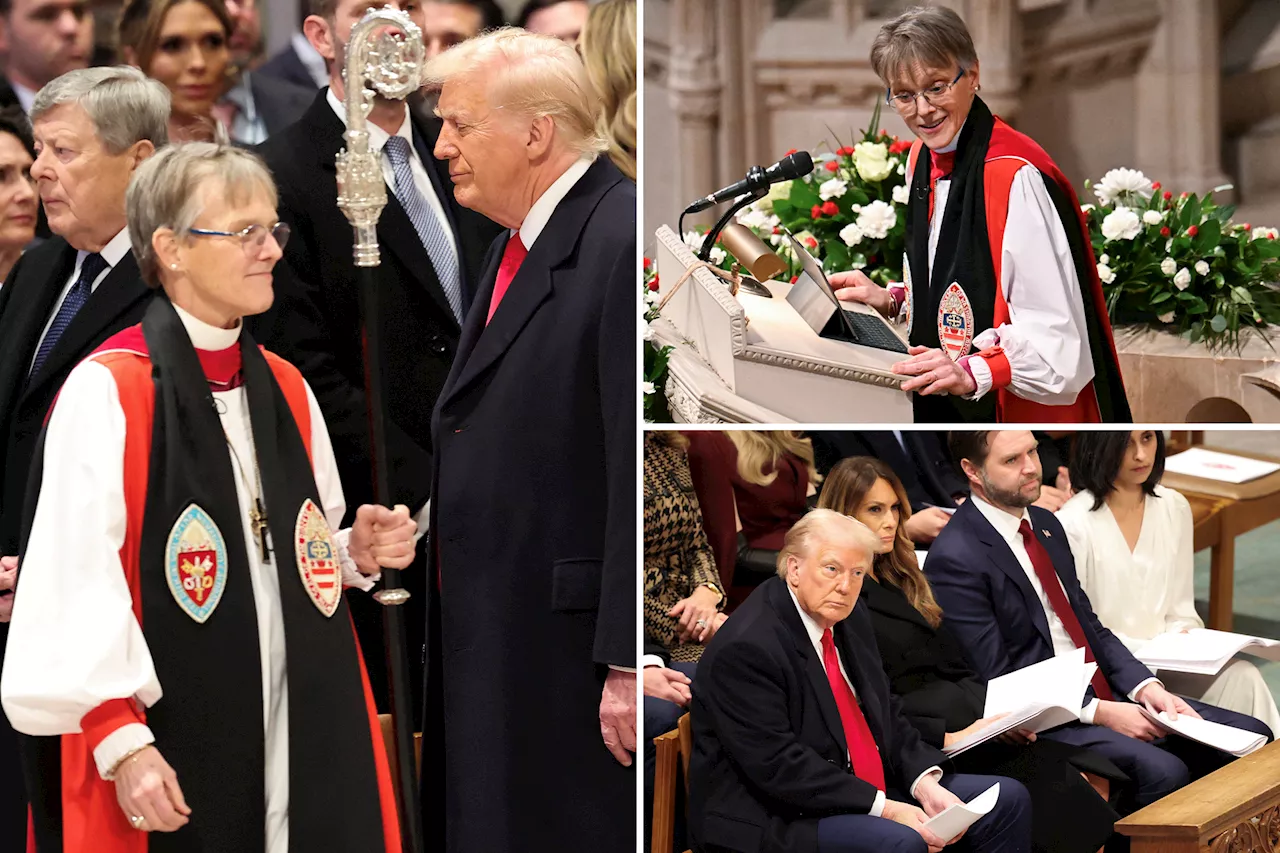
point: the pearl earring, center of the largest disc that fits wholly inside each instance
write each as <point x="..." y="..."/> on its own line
<point x="173" y="266"/>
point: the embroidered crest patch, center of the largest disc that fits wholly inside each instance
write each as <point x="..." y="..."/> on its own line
<point x="955" y="322"/>
<point x="196" y="563"/>
<point x="317" y="557"/>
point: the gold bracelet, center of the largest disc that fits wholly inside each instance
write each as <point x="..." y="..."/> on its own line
<point x="133" y="753"/>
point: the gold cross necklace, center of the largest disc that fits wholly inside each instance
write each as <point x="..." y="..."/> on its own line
<point x="257" y="512"/>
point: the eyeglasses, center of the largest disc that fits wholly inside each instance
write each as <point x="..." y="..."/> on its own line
<point x="253" y="238"/>
<point x="905" y="102"/>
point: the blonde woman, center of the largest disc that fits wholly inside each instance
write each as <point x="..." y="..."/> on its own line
<point x="608" y="48"/>
<point x="753" y="482"/>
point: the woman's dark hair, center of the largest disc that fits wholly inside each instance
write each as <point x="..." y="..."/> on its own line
<point x="1096" y="458"/>
<point x="14" y="122"/>
<point x="527" y="10"/>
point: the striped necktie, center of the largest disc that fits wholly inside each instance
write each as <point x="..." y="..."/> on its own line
<point x="435" y="239"/>
<point x="77" y="296"/>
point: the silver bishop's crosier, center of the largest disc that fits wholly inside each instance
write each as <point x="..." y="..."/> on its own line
<point x="384" y="54"/>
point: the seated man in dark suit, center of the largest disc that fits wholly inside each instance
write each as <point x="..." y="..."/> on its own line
<point x="1003" y="573"/>
<point x="798" y="743"/>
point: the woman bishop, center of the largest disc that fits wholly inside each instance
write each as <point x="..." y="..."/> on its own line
<point x="180" y="621"/>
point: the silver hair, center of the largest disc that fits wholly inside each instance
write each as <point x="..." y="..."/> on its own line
<point x="166" y="192"/>
<point x="125" y="105"/>
<point x="534" y="75"/>
<point x="799" y="539"/>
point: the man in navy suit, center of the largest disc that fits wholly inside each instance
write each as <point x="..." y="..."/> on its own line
<point x="798" y="743"/>
<point x="1003" y="572"/>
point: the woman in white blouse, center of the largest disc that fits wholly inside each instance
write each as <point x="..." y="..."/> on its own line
<point x="1131" y="539"/>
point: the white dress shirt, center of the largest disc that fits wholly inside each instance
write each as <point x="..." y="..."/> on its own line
<point x="310" y="59"/>
<point x="1007" y="525"/>
<point x="113" y="253"/>
<point x="1046" y="340"/>
<point x="815" y="637"/>
<point x="76" y="642"/>
<point x="378" y="142"/>
<point x="26" y="97"/>
<point x="540" y="213"/>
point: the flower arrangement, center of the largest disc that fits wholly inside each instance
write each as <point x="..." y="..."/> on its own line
<point x="1179" y="262"/>
<point x="654" y="380"/>
<point x="850" y="212"/>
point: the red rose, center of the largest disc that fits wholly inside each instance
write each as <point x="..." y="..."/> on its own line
<point x="1167" y="195"/>
<point x="777" y="230"/>
<point x="790" y="151"/>
<point x="816" y="212"/>
<point x="1165" y="232"/>
<point x="653" y="285"/>
<point x="899" y="146"/>
<point x="1192" y="231"/>
<point x="831" y="165"/>
<point x="648" y="262"/>
<point x="1156" y="185"/>
<point x="1246" y="226"/>
<point x="884" y="132"/>
<point x="830" y="208"/>
<point x="794" y="279"/>
<point x="811" y="242"/>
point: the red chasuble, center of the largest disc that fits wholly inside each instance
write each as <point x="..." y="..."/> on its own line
<point x="92" y="817"/>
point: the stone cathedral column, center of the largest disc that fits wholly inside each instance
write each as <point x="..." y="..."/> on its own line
<point x="695" y="87"/>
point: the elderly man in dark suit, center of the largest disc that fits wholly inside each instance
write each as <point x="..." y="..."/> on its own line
<point x="799" y="744"/>
<point x="1003" y="572"/>
<point x="67" y="296"/>
<point x="533" y="510"/>
<point x="431" y="256"/>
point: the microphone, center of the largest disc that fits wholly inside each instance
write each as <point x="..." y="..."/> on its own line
<point x="788" y="168"/>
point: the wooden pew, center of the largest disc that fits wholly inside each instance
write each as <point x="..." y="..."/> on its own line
<point x="1235" y="810"/>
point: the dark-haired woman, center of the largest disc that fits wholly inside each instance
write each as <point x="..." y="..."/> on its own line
<point x="940" y="694"/>
<point x="1131" y="538"/>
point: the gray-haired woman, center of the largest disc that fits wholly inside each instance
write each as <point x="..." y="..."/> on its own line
<point x="152" y="631"/>
<point x="1001" y="295"/>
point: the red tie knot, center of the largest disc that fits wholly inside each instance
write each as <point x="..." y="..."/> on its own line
<point x="943" y="163"/>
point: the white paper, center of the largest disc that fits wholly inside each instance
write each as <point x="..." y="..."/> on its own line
<point x="1223" y="467"/>
<point x="1202" y="650"/>
<point x="1229" y="739"/>
<point x="958" y="817"/>
<point x="1036" y="698"/>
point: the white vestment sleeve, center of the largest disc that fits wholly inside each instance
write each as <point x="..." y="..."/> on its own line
<point x="329" y="485"/>
<point x="74" y="642"/>
<point x="1046" y="339"/>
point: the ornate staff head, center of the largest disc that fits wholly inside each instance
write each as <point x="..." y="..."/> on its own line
<point x="385" y="54"/>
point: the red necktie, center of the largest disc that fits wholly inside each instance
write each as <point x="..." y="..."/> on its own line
<point x="940" y="166"/>
<point x="862" y="746"/>
<point x="512" y="257"/>
<point x="1043" y="565"/>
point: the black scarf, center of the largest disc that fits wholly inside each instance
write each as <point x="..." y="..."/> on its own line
<point x="963" y="255"/>
<point x="209" y="723"/>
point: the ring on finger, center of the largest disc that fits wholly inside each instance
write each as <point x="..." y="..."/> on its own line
<point x="137" y="821"/>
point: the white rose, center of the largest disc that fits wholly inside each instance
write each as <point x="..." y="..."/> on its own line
<point x="649" y="332"/>
<point x="1166" y="317"/>
<point x="1119" y="185"/>
<point x="1202" y="268"/>
<point x="717" y="255"/>
<point x="1106" y="274"/>
<point x="1152" y="217"/>
<point x="1105" y="259"/>
<point x="902" y="168"/>
<point x="1168" y="266"/>
<point x="649" y="388"/>
<point x="652" y="297"/>
<point x="1121" y="224"/>
<point x="693" y="240"/>
<point x="871" y="159"/>
<point x="877" y="219"/>
<point x="851" y="234"/>
<point x="901" y="194"/>
<point x="833" y="188"/>
<point x="1182" y="280"/>
<point x="753" y="217"/>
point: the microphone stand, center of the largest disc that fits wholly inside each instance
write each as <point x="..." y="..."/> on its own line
<point x="709" y="241"/>
<point x="385" y="51"/>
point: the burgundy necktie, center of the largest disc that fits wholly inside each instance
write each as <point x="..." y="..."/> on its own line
<point x="1043" y="566"/>
<point x="862" y="746"/>
<point x="940" y="166"/>
<point x="512" y="257"/>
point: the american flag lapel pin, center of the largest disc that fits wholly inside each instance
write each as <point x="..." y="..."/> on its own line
<point x="1047" y="534"/>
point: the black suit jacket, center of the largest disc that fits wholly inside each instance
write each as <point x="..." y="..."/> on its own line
<point x="315" y="320"/>
<point x="286" y="66"/>
<point x="770" y="757"/>
<point x="533" y="522"/>
<point x="27" y="301"/>
<point x="924" y="467"/>
<point x="926" y="668"/>
<point x="279" y="102"/>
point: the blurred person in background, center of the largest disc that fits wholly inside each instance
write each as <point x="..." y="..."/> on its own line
<point x="41" y="40"/>
<point x="18" y="199"/>
<point x="608" y="48"/>
<point x="563" y="19"/>
<point x="255" y="105"/>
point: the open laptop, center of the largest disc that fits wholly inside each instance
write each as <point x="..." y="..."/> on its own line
<point x="815" y="301"/>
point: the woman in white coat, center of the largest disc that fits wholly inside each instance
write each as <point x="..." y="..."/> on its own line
<point x="1131" y="538"/>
